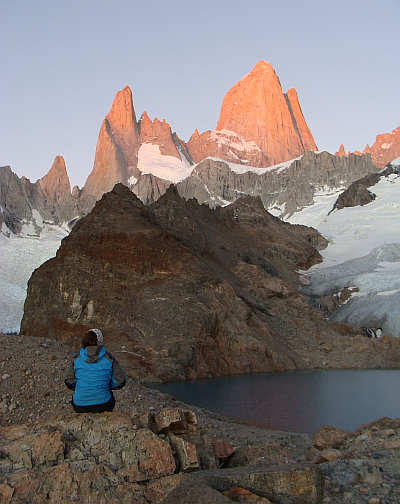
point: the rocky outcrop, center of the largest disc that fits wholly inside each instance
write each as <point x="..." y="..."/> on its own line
<point x="150" y="188"/>
<point x="85" y="458"/>
<point x="182" y="291"/>
<point x="357" y="194"/>
<point x="50" y="197"/>
<point x="112" y="450"/>
<point x="283" y="189"/>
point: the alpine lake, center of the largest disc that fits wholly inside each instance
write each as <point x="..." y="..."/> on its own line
<point x="296" y="401"/>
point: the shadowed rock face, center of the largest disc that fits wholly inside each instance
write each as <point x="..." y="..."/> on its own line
<point x="286" y="190"/>
<point x="357" y="194"/>
<point x="182" y="291"/>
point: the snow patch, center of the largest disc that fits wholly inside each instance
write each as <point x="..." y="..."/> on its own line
<point x="150" y="160"/>
<point x="132" y="181"/>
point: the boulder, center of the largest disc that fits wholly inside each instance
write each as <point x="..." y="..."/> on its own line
<point x="271" y="454"/>
<point x="173" y="421"/>
<point x="330" y="437"/>
<point x="186" y="454"/>
<point x="290" y="484"/>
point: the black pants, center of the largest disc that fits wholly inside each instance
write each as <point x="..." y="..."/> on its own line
<point x="95" y="408"/>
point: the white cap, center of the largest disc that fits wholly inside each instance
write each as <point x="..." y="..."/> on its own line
<point x="99" y="335"/>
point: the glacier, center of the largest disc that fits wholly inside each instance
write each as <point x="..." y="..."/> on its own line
<point x="363" y="253"/>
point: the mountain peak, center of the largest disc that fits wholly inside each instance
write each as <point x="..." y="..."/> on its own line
<point x="56" y="177"/>
<point x="257" y="110"/>
<point x="117" y="147"/>
<point x="262" y="67"/>
<point x="122" y="117"/>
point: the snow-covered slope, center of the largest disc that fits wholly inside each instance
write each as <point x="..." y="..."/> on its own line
<point x="150" y="160"/>
<point x="20" y="255"/>
<point x="363" y="252"/>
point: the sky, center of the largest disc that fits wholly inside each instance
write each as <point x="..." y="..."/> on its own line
<point x="63" y="61"/>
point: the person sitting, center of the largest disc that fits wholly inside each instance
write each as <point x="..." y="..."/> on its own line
<point x="92" y="375"/>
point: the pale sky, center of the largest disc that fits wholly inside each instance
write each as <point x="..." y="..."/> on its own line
<point x="63" y="61"/>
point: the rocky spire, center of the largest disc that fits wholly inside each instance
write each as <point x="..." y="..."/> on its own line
<point x="117" y="147"/>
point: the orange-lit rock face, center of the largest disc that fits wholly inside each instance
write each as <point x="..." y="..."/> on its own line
<point x="257" y="109"/>
<point x="117" y="147"/>
<point x="158" y="133"/>
<point x="226" y="145"/>
<point x="386" y="148"/>
<point x="56" y="179"/>
<point x="341" y="152"/>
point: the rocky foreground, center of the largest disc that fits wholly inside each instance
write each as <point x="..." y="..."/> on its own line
<point x="154" y="449"/>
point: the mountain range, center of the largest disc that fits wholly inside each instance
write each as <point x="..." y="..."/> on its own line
<point x="261" y="134"/>
<point x="261" y="147"/>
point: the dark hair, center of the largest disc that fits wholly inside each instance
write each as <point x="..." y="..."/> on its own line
<point x="89" y="339"/>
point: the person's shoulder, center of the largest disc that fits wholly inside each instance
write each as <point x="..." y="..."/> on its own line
<point x="109" y="356"/>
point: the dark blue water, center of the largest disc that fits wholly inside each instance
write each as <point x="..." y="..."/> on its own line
<point x="300" y="401"/>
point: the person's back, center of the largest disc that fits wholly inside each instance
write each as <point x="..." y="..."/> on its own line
<point x="93" y="374"/>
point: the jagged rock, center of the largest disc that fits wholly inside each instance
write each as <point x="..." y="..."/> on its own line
<point x="150" y="188"/>
<point x="283" y="190"/>
<point x="49" y="196"/>
<point x="357" y="193"/>
<point x="64" y="456"/>
<point x="226" y="145"/>
<point x="386" y="148"/>
<point x="174" y="421"/>
<point x="186" y="453"/>
<point x="159" y="133"/>
<point x="258" y="125"/>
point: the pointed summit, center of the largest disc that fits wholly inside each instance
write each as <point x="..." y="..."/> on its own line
<point x="257" y="110"/>
<point x="117" y="147"/>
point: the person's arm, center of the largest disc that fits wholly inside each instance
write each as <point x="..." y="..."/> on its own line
<point x="118" y="379"/>
<point x="69" y="377"/>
